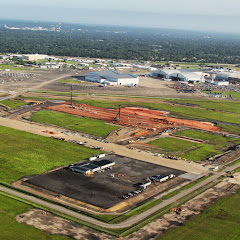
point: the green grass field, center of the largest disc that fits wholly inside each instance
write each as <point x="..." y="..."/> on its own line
<point x="185" y="149"/>
<point x="230" y="129"/>
<point x="225" y="106"/>
<point x="12" y="67"/>
<point x="195" y="151"/>
<point x="217" y="140"/>
<point x="172" y="144"/>
<point x="10" y="229"/>
<point x="25" y="154"/>
<point x="202" y="152"/>
<point x="13" y="104"/>
<point x="80" y="124"/>
<point x="219" y="222"/>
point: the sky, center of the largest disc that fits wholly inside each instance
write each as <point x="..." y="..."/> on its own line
<point x="204" y="15"/>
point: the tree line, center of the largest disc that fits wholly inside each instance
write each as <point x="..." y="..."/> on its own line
<point x="131" y="45"/>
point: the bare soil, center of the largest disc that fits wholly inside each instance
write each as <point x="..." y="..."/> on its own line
<point x="53" y="225"/>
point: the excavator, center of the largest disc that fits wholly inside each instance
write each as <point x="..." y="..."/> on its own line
<point x="177" y="210"/>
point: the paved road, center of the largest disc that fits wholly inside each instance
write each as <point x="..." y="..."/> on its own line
<point x="129" y="222"/>
<point x="118" y="149"/>
<point x="28" y="109"/>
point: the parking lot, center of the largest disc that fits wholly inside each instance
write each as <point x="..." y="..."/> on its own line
<point x="18" y="80"/>
<point x="103" y="189"/>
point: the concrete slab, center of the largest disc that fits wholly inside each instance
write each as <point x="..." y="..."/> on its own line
<point x="190" y="176"/>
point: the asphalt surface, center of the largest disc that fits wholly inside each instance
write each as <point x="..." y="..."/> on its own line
<point x="39" y="86"/>
<point x="100" y="189"/>
<point x="131" y="221"/>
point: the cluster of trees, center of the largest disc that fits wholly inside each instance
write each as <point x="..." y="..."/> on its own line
<point x="106" y="42"/>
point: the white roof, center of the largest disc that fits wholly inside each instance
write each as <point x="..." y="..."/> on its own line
<point x="111" y="74"/>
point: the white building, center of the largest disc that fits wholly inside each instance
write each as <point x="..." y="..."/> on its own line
<point x="35" y="57"/>
<point x="112" y="78"/>
<point x="221" y="83"/>
<point x="179" y="75"/>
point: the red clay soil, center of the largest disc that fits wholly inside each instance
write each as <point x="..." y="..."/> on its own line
<point x="141" y="133"/>
<point x="137" y="117"/>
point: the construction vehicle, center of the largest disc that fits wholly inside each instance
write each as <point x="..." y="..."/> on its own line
<point x="229" y="174"/>
<point x="177" y="210"/>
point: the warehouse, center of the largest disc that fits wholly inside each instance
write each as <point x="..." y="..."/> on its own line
<point x="112" y="78"/>
<point x="88" y="168"/>
<point x="79" y="169"/>
<point x="103" y="164"/>
<point x="35" y="57"/>
<point x="232" y="77"/>
<point x="179" y="75"/>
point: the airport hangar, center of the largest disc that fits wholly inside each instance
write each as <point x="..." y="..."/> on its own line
<point x="112" y="78"/>
<point x="179" y="75"/>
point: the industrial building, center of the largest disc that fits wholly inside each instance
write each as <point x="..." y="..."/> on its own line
<point x="181" y="75"/>
<point x="227" y="76"/>
<point x="35" y="57"/>
<point x="88" y="168"/>
<point x="112" y="78"/>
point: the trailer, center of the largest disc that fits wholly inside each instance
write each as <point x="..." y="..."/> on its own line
<point x="145" y="185"/>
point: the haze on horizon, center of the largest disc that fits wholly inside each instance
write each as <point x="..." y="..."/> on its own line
<point x="211" y="16"/>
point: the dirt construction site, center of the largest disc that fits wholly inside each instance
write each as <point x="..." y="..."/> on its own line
<point x="143" y="118"/>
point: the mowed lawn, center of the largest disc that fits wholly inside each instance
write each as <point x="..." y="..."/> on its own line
<point x="230" y="128"/>
<point x="172" y="144"/>
<point x="24" y="154"/>
<point x="13" y="104"/>
<point x="219" y="222"/>
<point x="69" y="121"/>
<point x="10" y="229"/>
<point x="185" y="149"/>
<point x="217" y="140"/>
<point x="225" y="106"/>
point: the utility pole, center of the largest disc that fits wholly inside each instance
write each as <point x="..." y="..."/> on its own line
<point x="71" y="96"/>
<point x="119" y="112"/>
